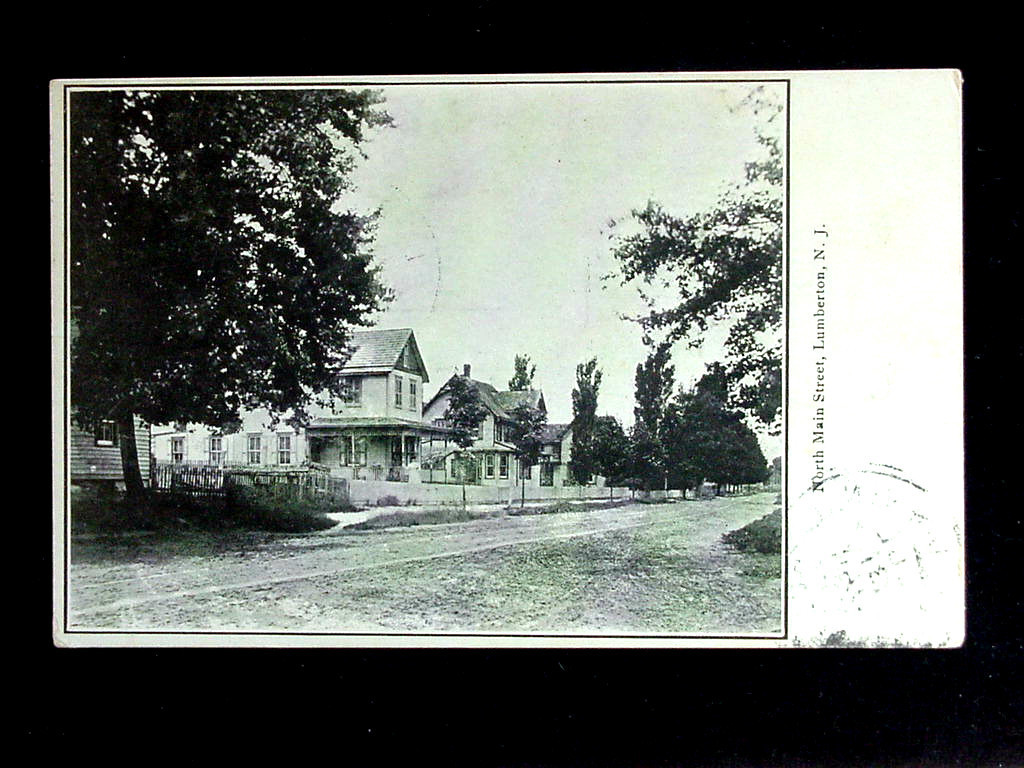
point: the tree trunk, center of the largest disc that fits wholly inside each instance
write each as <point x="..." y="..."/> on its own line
<point x="133" y="487"/>
<point x="522" y="501"/>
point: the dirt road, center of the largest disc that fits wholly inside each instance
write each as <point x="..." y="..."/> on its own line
<point x="639" y="568"/>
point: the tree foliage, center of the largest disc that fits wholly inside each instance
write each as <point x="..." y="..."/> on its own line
<point x="610" y="450"/>
<point x="210" y="271"/>
<point x="654" y="382"/>
<point x="527" y="435"/>
<point x="526" y="432"/>
<point x="706" y="440"/>
<point x="465" y="412"/>
<point x="723" y="265"/>
<point x="584" y="416"/>
<point x="522" y="379"/>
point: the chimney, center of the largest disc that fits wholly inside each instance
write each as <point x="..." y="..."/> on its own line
<point x="465" y="370"/>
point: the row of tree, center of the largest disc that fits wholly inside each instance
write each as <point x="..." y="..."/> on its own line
<point x="679" y="439"/>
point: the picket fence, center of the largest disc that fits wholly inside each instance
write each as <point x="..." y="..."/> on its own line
<point x="213" y="483"/>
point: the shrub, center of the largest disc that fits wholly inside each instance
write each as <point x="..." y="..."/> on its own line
<point x="763" y="535"/>
<point x="280" y="513"/>
<point x="388" y="501"/>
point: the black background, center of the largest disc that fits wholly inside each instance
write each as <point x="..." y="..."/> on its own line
<point x="531" y="707"/>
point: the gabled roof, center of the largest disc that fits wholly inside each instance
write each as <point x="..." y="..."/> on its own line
<point x="553" y="433"/>
<point x="531" y="397"/>
<point x="489" y="397"/>
<point x="499" y="403"/>
<point x="380" y="350"/>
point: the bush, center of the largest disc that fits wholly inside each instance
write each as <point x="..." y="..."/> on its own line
<point x="279" y="513"/>
<point x="763" y="535"/>
<point x="388" y="501"/>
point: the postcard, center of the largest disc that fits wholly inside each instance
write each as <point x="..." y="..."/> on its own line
<point x="618" y="360"/>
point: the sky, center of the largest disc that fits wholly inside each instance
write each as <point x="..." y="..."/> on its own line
<point x="496" y="203"/>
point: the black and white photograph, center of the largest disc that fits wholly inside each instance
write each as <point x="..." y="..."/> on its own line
<point x="507" y="361"/>
<point x="495" y="358"/>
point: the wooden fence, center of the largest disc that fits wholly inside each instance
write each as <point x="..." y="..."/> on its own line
<point x="198" y="482"/>
<point x="292" y="484"/>
<point x="213" y="483"/>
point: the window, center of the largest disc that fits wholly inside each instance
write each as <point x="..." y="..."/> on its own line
<point x="489" y="465"/>
<point x="441" y="423"/>
<point x="106" y="433"/>
<point x="346" y="450"/>
<point x="216" y="451"/>
<point x="503" y="466"/>
<point x="499" y="432"/>
<point x="284" y="449"/>
<point x="396" y="451"/>
<point x="353" y="451"/>
<point x="255" y="450"/>
<point x="352" y="390"/>
<point x="398" y="391"/>
<point x="177" y="450"/>
<point x="360" y="451"/>
<point x="412" y="395"/>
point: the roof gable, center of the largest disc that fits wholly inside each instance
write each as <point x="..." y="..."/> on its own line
<point x="514" y="398"/>
<point x="381" y="350"/>
<point x="554" y="433"/>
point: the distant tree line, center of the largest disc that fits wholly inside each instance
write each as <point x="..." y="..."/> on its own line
<point x="680" y="438"/>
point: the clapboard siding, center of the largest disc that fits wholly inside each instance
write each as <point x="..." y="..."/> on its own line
<point x="89" y="461"/>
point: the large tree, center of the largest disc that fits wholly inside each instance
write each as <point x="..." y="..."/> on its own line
<point x="707" y="440"/>
<point x="211" y="269"/>
<point x="522" y="378"/>
<point x="584" y="418"/>
<point x="723" y="265"/>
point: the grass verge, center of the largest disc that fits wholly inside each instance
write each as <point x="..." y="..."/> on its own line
<point x="443" y="515"/>
<point x="245" y="510"/>
<point x="761" y="542"/>
<point x="439" y="516"/>
<point x="763" y="536"/>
